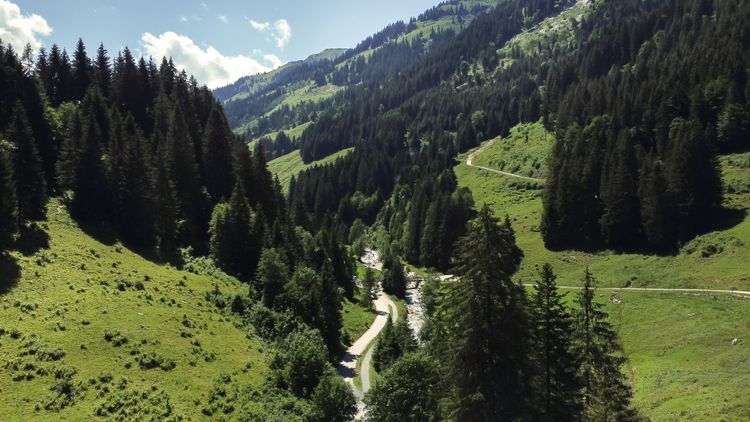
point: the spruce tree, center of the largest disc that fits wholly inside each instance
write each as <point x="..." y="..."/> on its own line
<point x="31" y="187"/>
<point x="217" y="156"/>
<point x="552" y="336"/>
<point x="90" y="189"/>
<point x="8" y="203"/>
<point x="605" y="393"/>
<point x="166" y="207"/>
<point x="82" y="71"/>
<point x="330" y="305"/>
<point x="271" y="277"/>
<point x="488" y="358"/>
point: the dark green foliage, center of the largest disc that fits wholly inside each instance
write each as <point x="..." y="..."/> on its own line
<point x="218" y="154"/>
<point x="605" y="392"/>
<point x="368" y="285"/>
<point x="8" y="202"/>
<point x="394" y="278"/>
<point x="232" y="243"/>
<point x="91" y="194"/>
<point x="670" y="110"/>
<point x="31" y="187"/>
<point x="394" y="341"/>
<point x="488" y="357"/>
<point x="407" y="391"/>
<point x="331" y="320"/>
<point x="271" y="277"/>
<point x="552" y="330"/>
<point x="301" y="360"/>
<point x="335" y="400"/>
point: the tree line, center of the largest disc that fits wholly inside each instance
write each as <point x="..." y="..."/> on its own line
<point x="492" y="352"/>
<point x="640" y="113"/>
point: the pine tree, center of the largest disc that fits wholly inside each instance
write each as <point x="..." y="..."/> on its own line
<point x="186" y="179"/>
<point x="90" y="189"/>
<point x="488" y="358"/>
<point x="621" y="220"/>
<point x="605" y="392"/>
<point x="103" y="70"/>
<point x="233" y="244"/>
<point x="82" y="71"/>
<point x="166" y="208"/>
<point x="271" y="276"/>
<point x="217" y="156"/>
<point x="8" y="203"/>
<point x="552" y="334"/>
<point x="331" y="320"/>
<point x="30" y="181"/>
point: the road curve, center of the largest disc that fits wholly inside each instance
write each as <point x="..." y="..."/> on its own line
<point x="347" y="368"/>
<point x="470" y="163"/>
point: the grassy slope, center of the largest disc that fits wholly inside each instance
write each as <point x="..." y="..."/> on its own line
<point x="68" y="296"/>
<point x="291" y="165"/>
<point x="688" y="268"/>
<point x="681" y="361"/>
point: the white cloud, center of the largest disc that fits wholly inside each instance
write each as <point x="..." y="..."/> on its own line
<point x="183" y="19"/>
<point x="19" y="29"/>
<point x="223" y="18"/>
<point x="280" y="31"/>
<point x="208" y="65"/>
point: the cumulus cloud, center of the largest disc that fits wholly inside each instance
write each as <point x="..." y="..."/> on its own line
<point x="19" y="29"/>
<point x="208" y="65"/>
<point x="280" y="31"/>
<point x="223" y="18"/>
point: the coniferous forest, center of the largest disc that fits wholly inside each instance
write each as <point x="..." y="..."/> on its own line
<point x="641" y="98"/>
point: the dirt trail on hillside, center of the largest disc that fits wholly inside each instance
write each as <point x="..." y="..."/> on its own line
<point x="473" y="154"/>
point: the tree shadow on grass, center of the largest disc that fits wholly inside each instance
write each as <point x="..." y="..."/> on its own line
<point x="33" y="239"/>
<point x="10" y="273"/>
<point x="727" y="218"/>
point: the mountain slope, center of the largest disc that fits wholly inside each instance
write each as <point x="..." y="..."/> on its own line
<point x="90" y="328"/>
<point x="255" y="105"/>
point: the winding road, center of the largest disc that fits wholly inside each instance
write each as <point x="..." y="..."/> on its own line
<point x="347" y="368"/>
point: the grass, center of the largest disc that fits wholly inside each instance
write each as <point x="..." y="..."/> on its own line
<point x="681" y="362"/>
<point x="689" y="268"/>
<point x="524" y="152"/>
<point x="356" y="318"/>
<point x="681" y="359"/>
<point x="293" y="134"/>
<point x="94" y="317"/>
<point x="287" y="166"/>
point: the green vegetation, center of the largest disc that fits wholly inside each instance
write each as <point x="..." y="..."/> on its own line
<point x="291" y="165"/>
<point x="525" y="151"/>
<point x="357" y="319"/>
<point x="97" y="316"/>
<point x="714" y="260"/>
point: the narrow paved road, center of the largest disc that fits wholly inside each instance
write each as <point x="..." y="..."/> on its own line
<point x="470" y="163"/>
<point x="659" y="289"/>
<point x="347" y="368"/>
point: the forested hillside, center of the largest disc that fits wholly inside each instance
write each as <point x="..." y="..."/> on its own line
<point x="295" y="93"/>
<point x="141" y="157"/>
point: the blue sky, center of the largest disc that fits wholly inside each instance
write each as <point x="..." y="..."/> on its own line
<point x="217" y="40"/>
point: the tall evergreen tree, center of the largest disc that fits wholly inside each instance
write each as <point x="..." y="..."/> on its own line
<point x="82" y="71"/>
<point x="605" y="392"/>
<point x="552" y="336"/>
<point x="271" y="277"/>
<point x="91" y="192"/>
<point x="218" y="153"/>
<point x="30" y="181"/>
<point x="330" y="309"/>
<point x="488" y="359"/>
<point x="8" y="203"/>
